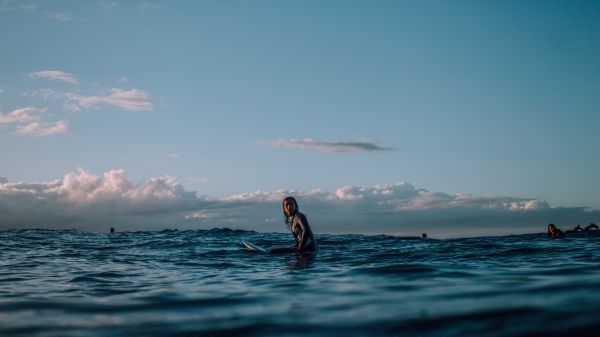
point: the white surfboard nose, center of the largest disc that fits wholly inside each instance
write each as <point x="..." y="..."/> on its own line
<point x="251" y="246"/>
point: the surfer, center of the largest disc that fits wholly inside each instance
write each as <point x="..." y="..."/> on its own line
<point x="578" y="228"/>
<point x="554" y="232"/>
<point x="298" y="225"/>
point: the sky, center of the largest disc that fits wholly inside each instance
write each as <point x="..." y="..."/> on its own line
<point x="455" y="118"/>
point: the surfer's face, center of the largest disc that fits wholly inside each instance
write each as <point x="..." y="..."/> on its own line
<point x="289" y="207"/>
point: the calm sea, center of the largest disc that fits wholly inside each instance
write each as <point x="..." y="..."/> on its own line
<point x="203" y="283"/>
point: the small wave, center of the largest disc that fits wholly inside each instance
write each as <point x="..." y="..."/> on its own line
<point x="398" y="269"/>
<point x="521" y="251"/>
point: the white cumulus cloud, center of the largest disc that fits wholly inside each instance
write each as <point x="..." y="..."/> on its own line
<point x="329" y="146"/>
<point x="95" y="202"/>
<point x="87" y="201"/>
<point x="54" y="75"/>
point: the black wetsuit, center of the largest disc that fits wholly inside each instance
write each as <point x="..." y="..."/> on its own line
<point x="557" y="234"/>
<point x="303" y="236"/>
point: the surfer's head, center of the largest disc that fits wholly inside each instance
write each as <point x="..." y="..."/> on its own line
<point x="551" y="230"/>
<point x="290" y="206"/>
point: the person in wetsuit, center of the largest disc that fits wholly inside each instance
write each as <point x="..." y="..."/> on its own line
<point x="578" y="228"/>
<point x="298" y="225"/>
<point x="554" y="232"/>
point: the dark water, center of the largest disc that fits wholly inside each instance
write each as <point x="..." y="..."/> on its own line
<point x="195" y="283"/>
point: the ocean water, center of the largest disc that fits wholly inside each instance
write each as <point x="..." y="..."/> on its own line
<point x="203" y="283"/>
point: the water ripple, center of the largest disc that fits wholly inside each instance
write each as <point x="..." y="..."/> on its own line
<point x="202" y="282"/>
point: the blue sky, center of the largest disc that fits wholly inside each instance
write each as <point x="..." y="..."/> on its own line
<point x="485" y="98"/>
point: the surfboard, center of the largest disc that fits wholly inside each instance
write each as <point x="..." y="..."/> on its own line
<point x="253" y="247"/>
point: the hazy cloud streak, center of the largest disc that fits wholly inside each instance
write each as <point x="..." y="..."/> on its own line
<point x="149" y="5"/>
<point x="133" y="100"/>
<point x="22" y="115"/>
<point x="329" y="146"/>
<point x="60" y="17"/>
<point x="107" y="5"/>
<point x="55" y="75"/>
<point x="7" y="7"/>
<point x="197" y="181"/>
<point x="46" y="129"/>
<point x="27" y="122"/>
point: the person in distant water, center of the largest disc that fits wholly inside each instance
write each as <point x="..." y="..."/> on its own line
<point x="578" y="228"/>
<point x="554" y="232"/>
<point x="298" y="225"/>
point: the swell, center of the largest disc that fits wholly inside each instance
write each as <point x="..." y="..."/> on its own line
<point x="203" y="282"/>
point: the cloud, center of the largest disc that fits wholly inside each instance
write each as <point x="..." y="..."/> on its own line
<point x="90" y="202"/>
<point x="83" y="200"/>
<point x="1" y="91"/>
<point x="197" y="181"/>
<point x="43" y="129"/>
<point x="133" y="100"/>
<point x="149" y="5"/>
<point x="55" y="75"/>
<point x="6" y="6"/>
<point x="27" y="122"/>
<point x="22" y="115"/>
<point x="174" y="155"/>
<point x="107" y="5"/>
<point x="400" y="209"/>
<point x="60" y="17"/>
<point x="329" y="147"/>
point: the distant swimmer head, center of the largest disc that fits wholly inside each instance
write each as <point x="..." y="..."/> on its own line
<point x="551" y="230"/>
<point x="290" y="206"/>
